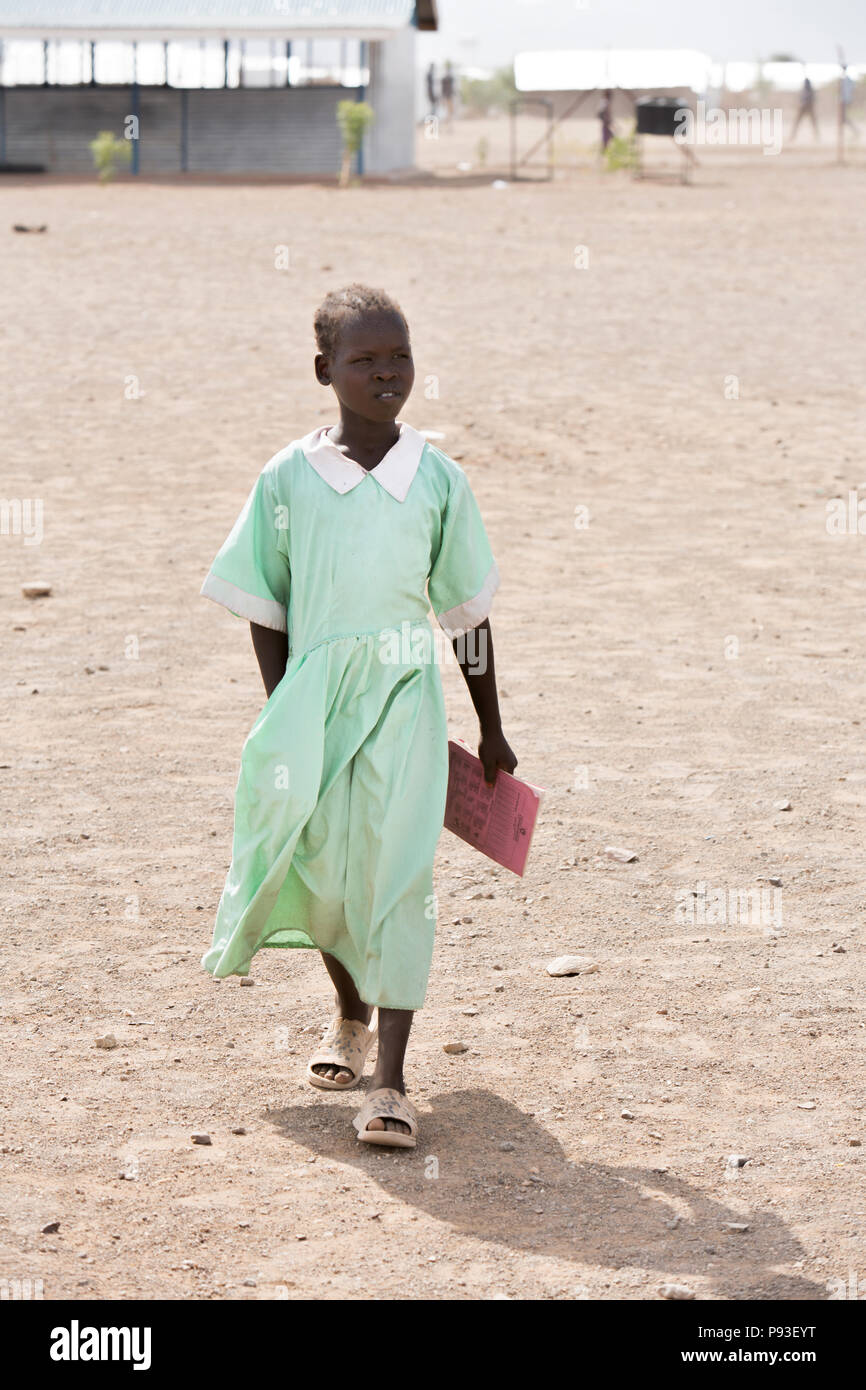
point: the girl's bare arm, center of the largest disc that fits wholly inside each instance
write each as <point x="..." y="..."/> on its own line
<point x="474" y="652"/>
<point x="272" y="654"/>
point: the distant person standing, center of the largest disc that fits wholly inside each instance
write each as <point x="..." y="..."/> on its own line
<point x="846" y="97"/>
<point x="448" y="92"/>
<point x="431" y="89"/>
<point x="807" y="108"/>
<point x="604" y="114"/>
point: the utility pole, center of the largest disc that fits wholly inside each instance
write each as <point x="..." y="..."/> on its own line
<point x="840" y="114"/>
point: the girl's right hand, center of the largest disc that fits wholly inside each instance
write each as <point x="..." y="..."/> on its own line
<point x="495" y="753"/>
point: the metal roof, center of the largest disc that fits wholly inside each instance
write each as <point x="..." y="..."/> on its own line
<point x="587" y="69"/>
<point x="178" y="19"/>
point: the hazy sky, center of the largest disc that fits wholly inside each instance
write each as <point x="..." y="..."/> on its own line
<point x="489" y="32"/>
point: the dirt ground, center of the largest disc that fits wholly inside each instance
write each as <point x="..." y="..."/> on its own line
<point x="653" y="434"/>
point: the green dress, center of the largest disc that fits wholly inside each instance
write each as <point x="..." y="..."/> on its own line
<point x="341" y="795"/>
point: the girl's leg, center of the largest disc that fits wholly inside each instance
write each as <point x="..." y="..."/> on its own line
<point x="350" y="1004"/>
<point x="394" y="1026"/>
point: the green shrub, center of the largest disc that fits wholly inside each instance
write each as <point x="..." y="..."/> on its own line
<point x="106" y="149"/>
<point x="495" y="93"/>
<point x="354" y="119"/>
<point x="621" y="152"/>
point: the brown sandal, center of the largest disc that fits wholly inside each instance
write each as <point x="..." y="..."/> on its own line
<point x="387" y="1104"/>
<point x="346" y="1043"/>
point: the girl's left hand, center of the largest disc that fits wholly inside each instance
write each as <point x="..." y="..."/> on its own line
<point x="494" y="753"/>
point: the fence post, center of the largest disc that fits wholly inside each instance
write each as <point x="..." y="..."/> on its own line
<point x="184" y="130"/>
<point x="136" y="112"/>
<point x="362" y="96"/>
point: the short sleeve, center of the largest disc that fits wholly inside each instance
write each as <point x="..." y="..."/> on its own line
<point x="464" y="576"/>
<point x="250" y="575"/>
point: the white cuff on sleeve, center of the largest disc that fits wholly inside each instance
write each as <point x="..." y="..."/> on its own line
<point x="264" y="611"/>
<point x="467" y="615"/>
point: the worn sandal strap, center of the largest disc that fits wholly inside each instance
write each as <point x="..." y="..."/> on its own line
<point x="386" y="1104"/>
<point x="345" y="1043"/>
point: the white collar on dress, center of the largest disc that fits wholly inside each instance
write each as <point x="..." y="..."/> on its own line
<point x="394" y="472"/>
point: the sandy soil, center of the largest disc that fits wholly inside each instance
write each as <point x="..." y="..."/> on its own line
<point x="670" y="671"/>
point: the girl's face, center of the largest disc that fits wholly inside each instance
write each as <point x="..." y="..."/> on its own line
<point x="371" y="368"/>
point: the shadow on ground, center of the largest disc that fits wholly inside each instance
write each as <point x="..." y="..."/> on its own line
<point x="589" y="1212"/>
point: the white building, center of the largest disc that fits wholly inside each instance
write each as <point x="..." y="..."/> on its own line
<point x="217" y="87"/>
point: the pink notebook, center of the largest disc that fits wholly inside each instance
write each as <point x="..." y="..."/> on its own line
<point x="498" y="820"/>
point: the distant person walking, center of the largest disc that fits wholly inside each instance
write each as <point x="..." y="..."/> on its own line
<point x="431" y="89"/>
<point x="807" y="108"/>
<point x="604" y="114"/>
<point x="448" y="93"/>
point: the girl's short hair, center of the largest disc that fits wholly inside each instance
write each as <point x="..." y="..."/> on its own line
<point x="338" y="307"/>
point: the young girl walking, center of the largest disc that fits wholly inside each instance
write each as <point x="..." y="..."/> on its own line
<point x="341" y="795"/>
